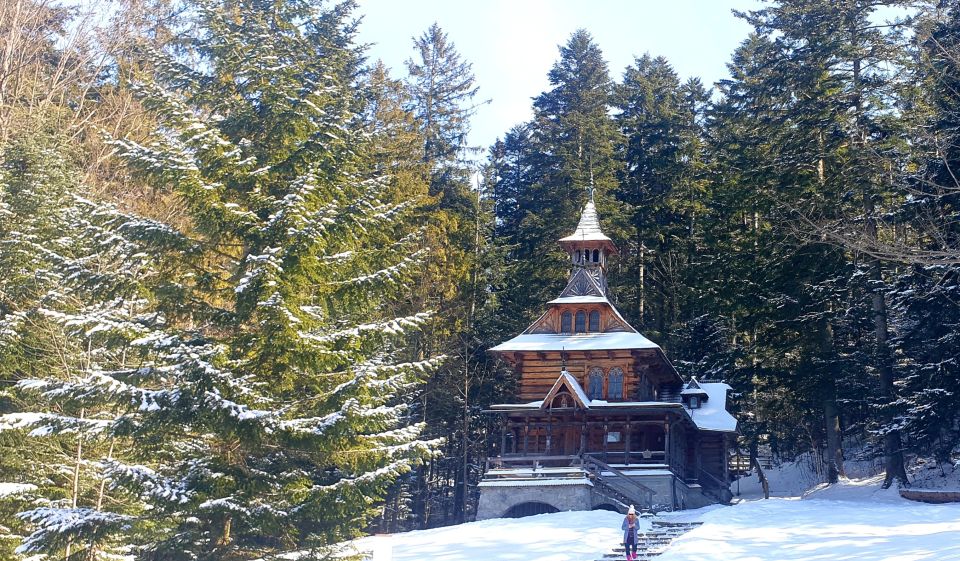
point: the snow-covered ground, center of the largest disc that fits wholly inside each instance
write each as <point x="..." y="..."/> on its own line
<point x="849" y="521"/>
<point x="564" y="536"/>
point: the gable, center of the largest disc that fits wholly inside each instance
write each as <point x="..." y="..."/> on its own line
<point x="582" y="283"/>
<point x="567" y="382"/>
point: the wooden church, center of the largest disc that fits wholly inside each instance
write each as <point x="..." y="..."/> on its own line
<point x="603" y="418"/>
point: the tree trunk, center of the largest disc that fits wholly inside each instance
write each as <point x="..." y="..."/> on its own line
<point x="75" y="487"/>
<point x="892" y="446"/>
<point x="833" y="455"/>
<point x="641" y="288"/>
<point x="755" y="464"/>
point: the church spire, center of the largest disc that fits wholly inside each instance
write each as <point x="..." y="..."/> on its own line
<point x="591" y="190"/>
<point x="588" y="246"/>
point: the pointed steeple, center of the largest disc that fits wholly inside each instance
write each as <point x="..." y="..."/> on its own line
<point x="589" y="248"/>
<point x="588" y="233"/>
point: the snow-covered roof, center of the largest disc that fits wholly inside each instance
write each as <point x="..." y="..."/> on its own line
<point x="577" y="342"/>
<point x="602" y="403"/>
<point x="694" y="391"/>
<point x="713" y="414"/>
<point x="537" y="482"/>
<point x="580" y="300"/>
<point x="592" y="404"/>
<point x="588" y="229"/>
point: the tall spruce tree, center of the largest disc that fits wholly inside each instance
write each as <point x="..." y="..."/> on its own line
<point x="838" y="67"/>
<point x="442" y="89"/>
<point x="662" y="189"/>
<point x="247" y="367"/>
<point x="571" y="142"/>
<point x="926" y="293"/>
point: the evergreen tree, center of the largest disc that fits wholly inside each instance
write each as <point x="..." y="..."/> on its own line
<point x="572" y="141"/>
<point x="57" y="251"/>
<point x="247" y="365"/>
<point x="664" y="189"/>
<point x="442" y="90"/>
<point x="926" y="293"/>
<point x="442" y="86"/>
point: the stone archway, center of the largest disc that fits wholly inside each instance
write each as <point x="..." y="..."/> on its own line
<point x="529" y="508"/>
<point x="606" y="506"/>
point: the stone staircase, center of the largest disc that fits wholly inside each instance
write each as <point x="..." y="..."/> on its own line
<point x="654" y="542"/>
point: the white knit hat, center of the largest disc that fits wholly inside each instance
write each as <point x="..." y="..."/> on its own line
<point x="631" y="510"/>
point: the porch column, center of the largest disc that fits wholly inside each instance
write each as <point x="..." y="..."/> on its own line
<point x="606" y="427"/>
<point x="667" y="456"/>
<point x="549" y="435"/>
<point x="526" y="438"/>
<point x="503" y="438"/>
<point x="626" y="445"/>
<point x="583" y="436"/>
<point x="726" y="459"/>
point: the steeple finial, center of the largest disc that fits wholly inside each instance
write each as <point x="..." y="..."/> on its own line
<point x="591" y="184"/>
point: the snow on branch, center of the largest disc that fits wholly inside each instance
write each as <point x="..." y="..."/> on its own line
<point x="392" y="327"/>
<point x="45" y="424"/>
<point x="151" y="485"/>
<point x="57" y="526"/>
<point x="392" y="274"/>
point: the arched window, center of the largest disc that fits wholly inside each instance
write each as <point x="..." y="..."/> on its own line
<point x="595" y="386"/>
<point x="581" y="322"/>
<point x="594" y="321"/>
<point x="596" y="256"/>
<point x="562" y="400"/>
<point x="579" y="256"/>
<point x="566" y="320"/>
<point x="615" y="383"/>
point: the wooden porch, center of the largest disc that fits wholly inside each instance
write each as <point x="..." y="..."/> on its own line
<point x="666" y="441"/>
<point x="634" y="444"/>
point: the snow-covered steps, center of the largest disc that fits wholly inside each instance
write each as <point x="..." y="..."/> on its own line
<point x="653" y="542"/>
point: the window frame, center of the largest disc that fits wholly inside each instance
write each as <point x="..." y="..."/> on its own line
<point x="595" y="374"/>
<point x="615" y="374"/>
<point x="580" y="322"/>
<point x="594" y="314"/>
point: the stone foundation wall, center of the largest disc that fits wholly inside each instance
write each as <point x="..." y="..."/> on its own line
<point x="495" y="501"/>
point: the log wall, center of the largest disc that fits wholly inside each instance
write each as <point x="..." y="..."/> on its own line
<point x="539" y="371"/>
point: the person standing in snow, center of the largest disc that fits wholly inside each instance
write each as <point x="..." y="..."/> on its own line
<point x="629" y="527"/>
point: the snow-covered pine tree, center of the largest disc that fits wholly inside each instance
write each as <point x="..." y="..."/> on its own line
<point x="66" y="285"/>
<point x="258" y="403"/>
<point x="925" y="297"/>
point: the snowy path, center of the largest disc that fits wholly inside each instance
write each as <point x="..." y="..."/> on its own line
<point x="845" y="523"/>
<point x="564" y="536"/>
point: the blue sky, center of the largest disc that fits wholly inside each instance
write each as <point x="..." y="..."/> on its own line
<point x="513" y="43"/>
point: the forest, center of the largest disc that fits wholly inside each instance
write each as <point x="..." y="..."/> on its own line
<point x="248" y="276"/>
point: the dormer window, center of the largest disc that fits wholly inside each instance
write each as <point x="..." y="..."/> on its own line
<point x="594" y="321"/>
<point x="693" y="395"/>
<point x="596" y="256"/>
<point x="581" y="326"/>
<point x="566" y="321"/>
